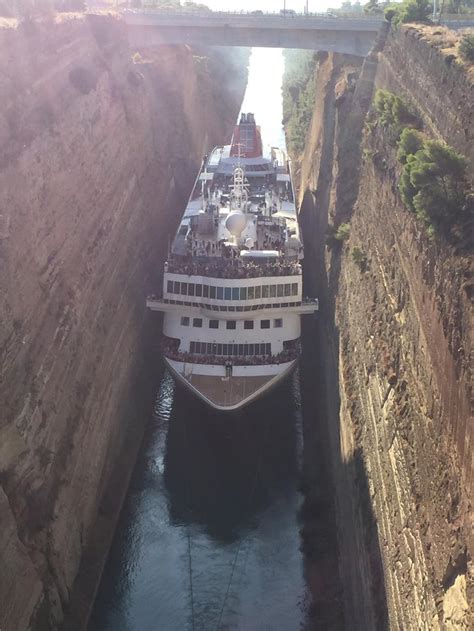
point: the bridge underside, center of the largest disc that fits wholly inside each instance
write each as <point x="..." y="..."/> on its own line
<point x="349" y="42"/>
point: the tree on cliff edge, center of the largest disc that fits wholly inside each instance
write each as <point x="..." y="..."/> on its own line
<point x="413" y="11"/>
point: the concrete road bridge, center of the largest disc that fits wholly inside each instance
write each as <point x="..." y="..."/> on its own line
<point x="350" y="35"/>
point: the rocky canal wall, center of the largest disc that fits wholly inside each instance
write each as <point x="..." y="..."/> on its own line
<point x="98" y="152"/>
<point x="395" y="330"/>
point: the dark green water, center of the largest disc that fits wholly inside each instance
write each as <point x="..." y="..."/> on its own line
<point x="209" y="534"/>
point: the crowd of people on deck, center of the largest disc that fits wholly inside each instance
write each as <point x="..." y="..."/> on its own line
<point x="235" y="269"/>
<point x="224" y="360"/>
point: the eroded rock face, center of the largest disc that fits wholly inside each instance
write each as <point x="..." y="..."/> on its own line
<point x="97" y="156"/>
<point x="397" y="324"/>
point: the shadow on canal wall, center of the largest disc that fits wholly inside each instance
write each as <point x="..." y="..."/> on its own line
<point x="339" y="532"/>
<point x="344" y="560"/>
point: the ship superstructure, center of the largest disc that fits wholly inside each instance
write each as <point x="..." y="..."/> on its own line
<point x="232" y="285"/>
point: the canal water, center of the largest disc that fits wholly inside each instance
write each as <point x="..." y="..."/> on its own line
<point x="209" y="535"/>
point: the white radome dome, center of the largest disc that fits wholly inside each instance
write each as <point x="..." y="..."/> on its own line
<point x="235" y="223"/>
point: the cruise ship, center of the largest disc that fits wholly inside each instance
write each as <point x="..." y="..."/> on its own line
<point x="232" y="285"/>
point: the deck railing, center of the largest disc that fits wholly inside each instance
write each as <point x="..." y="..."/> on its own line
<point x="228" y="360"/>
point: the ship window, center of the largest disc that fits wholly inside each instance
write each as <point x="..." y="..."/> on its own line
<point x="251" y="349"/>
<point x="231" y="308"/>
<point x="288" y="289"/>
<point x="243" y="293"/>
<point x="250" y="293"/>
<point x="272" y="291"/>
<point x="198" y="291"/>
<point x="184" y="321"/>
<point x="278" y="323"/>
<point x="197" y="347"/>
<point x="265" y="291"/>
<point x="262" y="349"/>
<point x="235" y="293"/>
<point x="224" y="349"/>
<point x="265" y="324"/>
<point x="239" y="308"/>
<point x="170" y="287"/>
<point x="231" y="324"/>
<point x="280" y="289"/>
<point x="191" y="289"/>
<point x="184" y="289"/>
<point x="241" y="349"/>
<point x="220" y="293"/>
<point x="192" y="347"/>
<point x="235" y="349"/>
<point x="205" y="291"/>
<point x="212" y="292"/>
<point x="258" y="292"/>
<point x="268" y="349"/>
<point x="227" y="293"/>
<point x="213" y="324"/>
<point x="219" y="349"/>
<point x="197" y="322"/>
<point x="248" y="324"/>
<point x="294" y="289"/>
<point x="176" y="287"/>
<point x="276" y="305"/>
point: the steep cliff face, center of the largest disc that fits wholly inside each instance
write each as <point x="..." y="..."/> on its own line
<point x="97" y="155"/>
<point x="395" y="328"/>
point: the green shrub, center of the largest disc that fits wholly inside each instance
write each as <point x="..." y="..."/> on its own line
<point x="466" y="48"/>
<point x="410" y="142"/>
<point x="343" y="231"/>
<point x="434" y="184"/>
<point x="390" y="13"/>
<point x="394" y="114"/>
<point x="359" y="257"/>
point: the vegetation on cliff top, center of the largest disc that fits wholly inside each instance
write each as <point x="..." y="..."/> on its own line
<point x="298" y="96"/>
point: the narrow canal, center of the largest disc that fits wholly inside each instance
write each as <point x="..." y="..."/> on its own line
<point x="209" y="535"/>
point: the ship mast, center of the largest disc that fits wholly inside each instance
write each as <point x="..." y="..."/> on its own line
<point x="239" y="195"/>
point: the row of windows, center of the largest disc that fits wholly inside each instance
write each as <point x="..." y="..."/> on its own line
<point x="276" y="305"/>
<point x="232" y="293"/>
<point x="242" y="350"/>
<point x="232" y="324"/>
